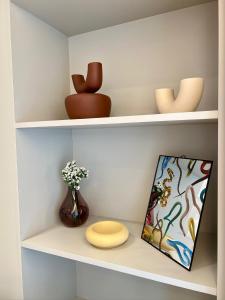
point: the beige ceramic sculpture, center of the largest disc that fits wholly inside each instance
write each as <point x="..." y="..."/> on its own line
<point x="188" y="98"/>
<point x="107" y="234"/>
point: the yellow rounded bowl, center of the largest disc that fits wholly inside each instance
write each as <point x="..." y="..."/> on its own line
<point x="107" y="234"/>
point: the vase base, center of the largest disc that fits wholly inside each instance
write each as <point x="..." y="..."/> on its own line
<point x="87" y="105"/>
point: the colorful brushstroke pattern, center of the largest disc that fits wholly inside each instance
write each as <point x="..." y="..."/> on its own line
<point x="175" y="207"/>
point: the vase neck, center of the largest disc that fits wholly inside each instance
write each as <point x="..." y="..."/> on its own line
<point x="76" y="192"/>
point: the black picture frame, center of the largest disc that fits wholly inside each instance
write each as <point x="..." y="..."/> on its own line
<point x="157" y="235"/>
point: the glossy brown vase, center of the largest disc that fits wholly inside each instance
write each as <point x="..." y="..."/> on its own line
<point x="74" y="210"/>
<point x="87" y="104"/>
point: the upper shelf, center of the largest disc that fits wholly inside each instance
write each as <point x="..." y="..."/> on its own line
<point x="75" y="17"/>
<point x="156" y="119"/>
<point x="135" y="257"/>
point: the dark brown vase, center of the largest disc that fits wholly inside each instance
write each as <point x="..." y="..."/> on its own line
<point x="74" y="210"/>
<point x="87" y="104"/>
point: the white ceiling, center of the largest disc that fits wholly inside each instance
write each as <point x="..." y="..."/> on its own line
<point x="78" y="16"/>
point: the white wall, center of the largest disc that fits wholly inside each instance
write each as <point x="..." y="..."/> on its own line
<point x="40" y="68"/>
<point x="48" y="277"/>
<point x="122" y="163"/>
<point x="221" y="167"/>
<point x="95" y="283"/>
<point x="41" y="154"/>
<point x="10" y="264"/>
<point x="152" y="53"/>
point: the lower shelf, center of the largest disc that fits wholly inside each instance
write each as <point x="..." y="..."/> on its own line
<point x="135" y="257"/>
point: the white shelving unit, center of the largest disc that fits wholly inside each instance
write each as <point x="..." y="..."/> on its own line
<point x="176" y="39"/>
<point x="156" y="119"/>
<point x="130" y="258"/>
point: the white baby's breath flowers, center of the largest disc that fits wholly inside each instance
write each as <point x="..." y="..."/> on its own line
<point x="72" y="175"/>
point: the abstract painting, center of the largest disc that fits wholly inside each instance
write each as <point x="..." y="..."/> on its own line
<point x="175" y="207"/>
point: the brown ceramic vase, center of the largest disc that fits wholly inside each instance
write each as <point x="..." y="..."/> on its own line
<point x="93" y="80"/>
<point x="87" y="104"/>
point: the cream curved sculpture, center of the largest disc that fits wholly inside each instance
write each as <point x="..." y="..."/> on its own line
<point x="188" y="98"/>
<point x="107" y="234"/>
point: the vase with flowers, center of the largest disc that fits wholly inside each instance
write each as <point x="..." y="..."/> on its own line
<point x="74" y="210"/>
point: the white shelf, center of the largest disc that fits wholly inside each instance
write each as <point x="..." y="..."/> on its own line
<point x="135" y="257"/>
<point x="154" y="119"/>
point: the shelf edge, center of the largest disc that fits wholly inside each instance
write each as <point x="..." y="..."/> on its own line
<point x="154" y="119"/>
<point x="146" y="275"/>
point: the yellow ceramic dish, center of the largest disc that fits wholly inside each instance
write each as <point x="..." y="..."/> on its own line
<point x="107" y="234"/>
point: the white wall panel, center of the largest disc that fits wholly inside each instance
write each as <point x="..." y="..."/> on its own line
<point x="40" y="68"/>
<point x="95" y="283"/>
<point x="122" y="163"/>
<point x="221" y="154"/>
<point x="10" y="264"/>
<point x="152" y="53"/>
<point x="41" y="155"/>
<point x="47" y="277"/>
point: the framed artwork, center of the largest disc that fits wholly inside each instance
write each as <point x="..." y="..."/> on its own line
<point x="175" y="207"/>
